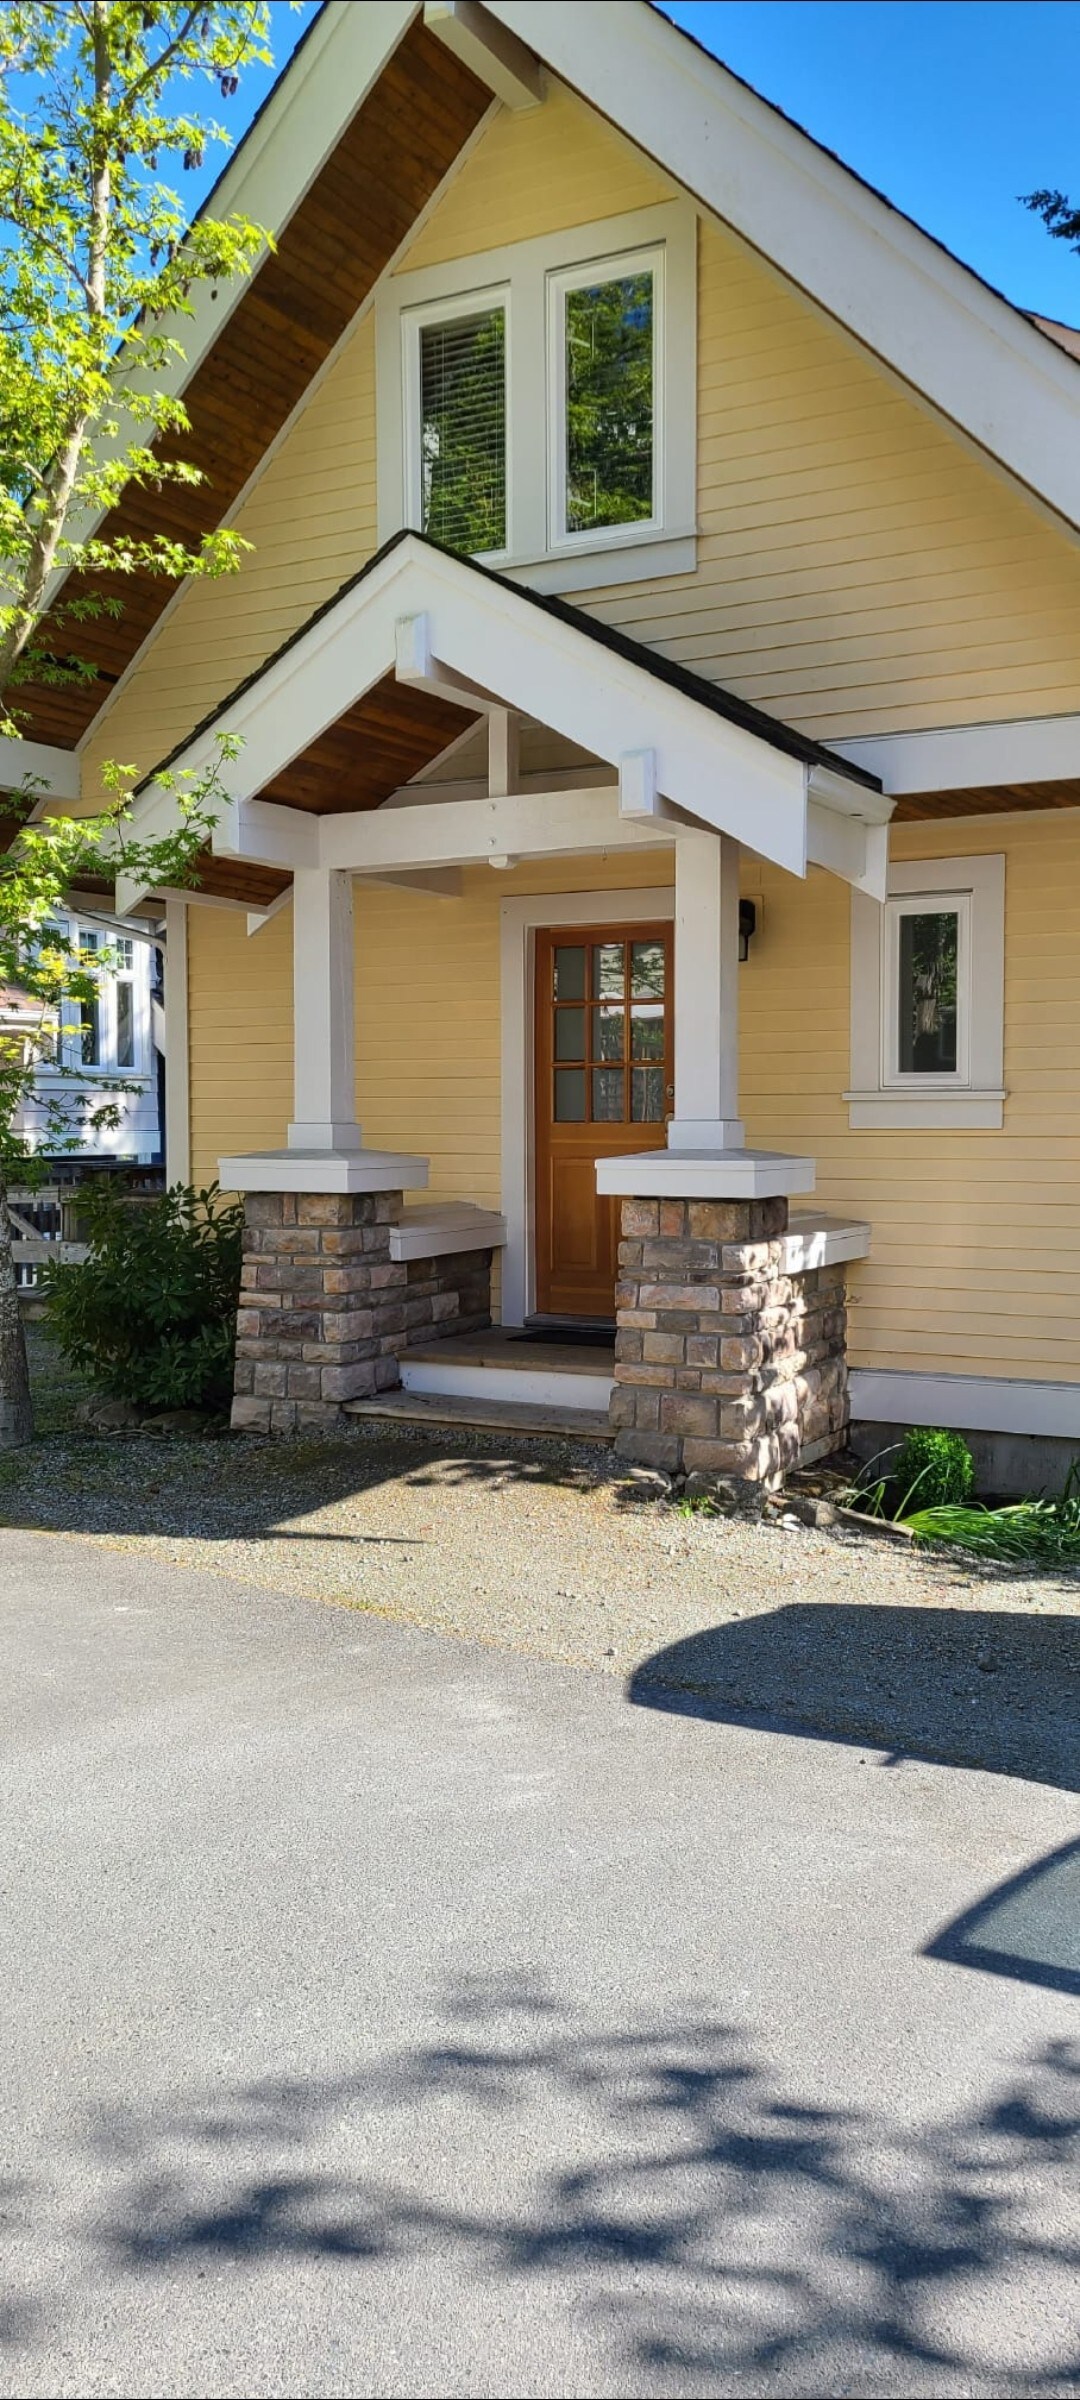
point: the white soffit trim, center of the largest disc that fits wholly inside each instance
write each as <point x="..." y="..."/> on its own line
<point x="947" y="333"/>
<point x="457" y="624"/>
<point x="968" y="1403"/>
<point x="961" y="758"/>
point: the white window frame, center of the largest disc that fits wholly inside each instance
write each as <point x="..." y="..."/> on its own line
<point x="574" y="279"/>
<point x="882" y="1096"/>
<point x="413" y="321"/>
<point x="523" y="276"/>
<point x="105" y="1069"/>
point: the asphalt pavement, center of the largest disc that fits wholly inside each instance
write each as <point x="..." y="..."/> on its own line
<point x="387" y="2014"/>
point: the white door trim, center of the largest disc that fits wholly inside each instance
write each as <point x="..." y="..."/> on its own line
<point x="519" y="922"/>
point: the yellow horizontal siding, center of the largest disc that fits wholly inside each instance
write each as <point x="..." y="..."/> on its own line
<point x="975" y="1257"/>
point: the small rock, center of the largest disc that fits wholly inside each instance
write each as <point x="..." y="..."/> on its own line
<point x="107" y="1416"/>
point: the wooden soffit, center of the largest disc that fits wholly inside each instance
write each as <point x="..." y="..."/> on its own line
<point x="382" y="741"/>
<point x="401" y="142"/>
<point x="1000" y="799"/>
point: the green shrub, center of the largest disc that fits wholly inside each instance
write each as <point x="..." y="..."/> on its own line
<point x="151" y="1315"/>
<point x="934" y="1469"/>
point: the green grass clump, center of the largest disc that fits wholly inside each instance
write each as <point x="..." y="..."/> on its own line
<point x="934" y="1466"/>
<point x="1042" y="1532"/>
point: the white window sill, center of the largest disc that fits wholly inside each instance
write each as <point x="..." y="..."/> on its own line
<point x="926" y="1112"/>
<point x="633" y="558"/>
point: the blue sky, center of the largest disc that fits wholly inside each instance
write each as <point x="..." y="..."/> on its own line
<point x="950" y="107"/>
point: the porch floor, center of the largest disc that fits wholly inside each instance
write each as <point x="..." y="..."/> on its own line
<point x="507" y="1347"/>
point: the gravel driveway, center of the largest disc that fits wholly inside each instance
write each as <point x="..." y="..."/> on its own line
<point x="551" y="1550"/>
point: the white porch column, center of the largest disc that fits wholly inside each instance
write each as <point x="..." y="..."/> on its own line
<point x="324" y="1074"/>
<point x="706" y="994"/>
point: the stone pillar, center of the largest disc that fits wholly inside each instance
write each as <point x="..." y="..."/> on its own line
<point x="322" y="1312"/>
<point x="724" y="1364"/>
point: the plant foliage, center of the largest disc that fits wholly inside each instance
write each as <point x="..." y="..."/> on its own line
<point x="935" y="1467"/>
<point x="150" y="1316"/>
<point x="1042" y="1532"/>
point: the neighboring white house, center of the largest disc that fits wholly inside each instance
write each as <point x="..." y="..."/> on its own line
<point x="112" y="1042"/>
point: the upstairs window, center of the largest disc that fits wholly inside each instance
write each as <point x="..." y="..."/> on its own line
<point x="537" y="404"/>
<point x="456" y="379"/>
<point x="605" y="382"/>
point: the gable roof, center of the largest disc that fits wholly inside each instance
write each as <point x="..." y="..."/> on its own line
<point x="370" y="115"/>
<point x="610" y="638"/>
<point x="418" y="645"/>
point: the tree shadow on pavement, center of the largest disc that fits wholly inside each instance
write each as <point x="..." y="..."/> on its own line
<point x="712" y="2229"/>
<point x="977" y="1687"/>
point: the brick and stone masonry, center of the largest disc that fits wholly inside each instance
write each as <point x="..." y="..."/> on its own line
<point x="325" y="1312"/>
<point x="724" y="1364"/>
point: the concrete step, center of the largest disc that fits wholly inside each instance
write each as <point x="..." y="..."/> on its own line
<point x="446" y="1410"/>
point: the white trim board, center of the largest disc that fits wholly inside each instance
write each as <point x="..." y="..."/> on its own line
<point x="1012" y="389"/>
<point x="966" y="1403"/>
<point x="520" y="920"/>
<point x="177" y="1127"/>
<point x="963" y="758"/>
<point x="529" y="1385"/>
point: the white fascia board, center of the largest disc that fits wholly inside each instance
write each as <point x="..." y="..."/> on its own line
<point x="978" y="360"/>
<point x="728" y="778"/>
<point x="58" y="770"/>
<point x="960" y="758"/>
<point x="274" y="166"/>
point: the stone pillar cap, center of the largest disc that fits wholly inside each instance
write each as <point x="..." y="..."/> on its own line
<point x="705" y="1175"/>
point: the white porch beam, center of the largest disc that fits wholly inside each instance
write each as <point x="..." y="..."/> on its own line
<point x="416" y="665"/>
<point x="443" y="883"/>
<point x="706" y="995"/>
<point x="265" y="832"/>
<point x="504" y="752"/>
<point x="58" y="770"/>
<point x="325" y="1060"/>
<point x="848" y="847"/>
<point x="435" y="834"/>
<point x="509" y="68"/>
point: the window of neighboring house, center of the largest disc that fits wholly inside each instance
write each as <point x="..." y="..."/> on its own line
<point x="124" y="1001"/>
<point x="927" y="997"/>
<point x="90" y="1009"/>
<point x="604" y="388"/>
<point x="457" y="384"/>
<point x="545" y="415"/>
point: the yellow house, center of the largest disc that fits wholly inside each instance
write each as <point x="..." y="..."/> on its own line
<point x="658" y="675"/>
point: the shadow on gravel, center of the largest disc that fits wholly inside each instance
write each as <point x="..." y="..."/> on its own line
<point x="1029" y="1928"/>
<point x="719" y="2231"/>
<point x="974" y="1687"/>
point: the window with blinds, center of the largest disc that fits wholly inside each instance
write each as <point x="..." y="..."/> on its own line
<point x="608" y="348"/>
<point x="462" y="374"/>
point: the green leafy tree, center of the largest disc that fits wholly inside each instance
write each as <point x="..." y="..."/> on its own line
<point x="99" y="101"/>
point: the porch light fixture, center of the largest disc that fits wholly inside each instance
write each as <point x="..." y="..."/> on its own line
<point x="747" y="929"/>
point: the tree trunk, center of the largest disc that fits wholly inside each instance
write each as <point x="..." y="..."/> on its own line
<point x="16" y="1407"/>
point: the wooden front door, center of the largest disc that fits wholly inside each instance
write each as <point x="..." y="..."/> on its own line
<point x="604" y="1081"/>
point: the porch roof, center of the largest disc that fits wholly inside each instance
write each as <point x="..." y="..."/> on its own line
<point x="373" y="706"/>
<point x="420" y="645"/>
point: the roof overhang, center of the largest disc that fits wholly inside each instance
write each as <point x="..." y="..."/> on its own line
<point x="461" y="639"/>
